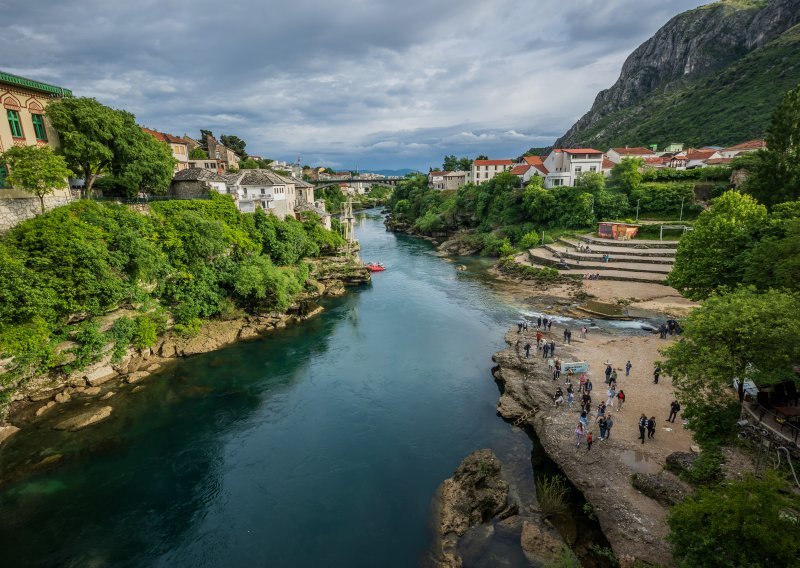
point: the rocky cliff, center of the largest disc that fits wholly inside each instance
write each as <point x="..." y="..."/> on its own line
<point x="731" y="59"/>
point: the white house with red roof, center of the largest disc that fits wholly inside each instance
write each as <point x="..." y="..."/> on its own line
<point x="565" y="165"/>
<point x="743" y="148"/>
<point x="484" y="170"/>
<point x="698" y="158"/>
<point x="436" y="179"/>
<point x="616" y="155"/>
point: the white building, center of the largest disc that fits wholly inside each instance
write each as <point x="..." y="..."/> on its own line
<point x="697" y="158"/>
<point x="262" y="188"/>
<point x="564" y="166"/>
<point x="484" y="170"/>
<point x="436" y="179"/>
<point x="616" y="155"/>
<point x="743" y="148"/>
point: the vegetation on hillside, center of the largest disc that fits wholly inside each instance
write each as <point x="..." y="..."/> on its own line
<point x="185" y="261"/>
<point x="724" y="107"/>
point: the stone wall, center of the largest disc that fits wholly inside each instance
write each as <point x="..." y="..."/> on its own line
<point x="17" y="206"/>
<point x="190" y="189"/>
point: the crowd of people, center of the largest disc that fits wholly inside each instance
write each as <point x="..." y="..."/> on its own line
<point x="582" y="392"/>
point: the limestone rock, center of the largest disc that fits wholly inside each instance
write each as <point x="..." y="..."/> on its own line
<point x="681" y="461"/>
<point x="154" y="367"/>
<point x="63" y="397"/>
<point x="7" y="431"/>
<point x="540" y="541"/>
<point x="100" y="376"/>
<point x="85" y="419"/>
<point x="92" y="391"/>
<point x="664" y="487"/>
<point x="42" y="409"/>
<point x="138" y="388"/>
<point x="108" y="395"/>
<point x="136" y="377"/>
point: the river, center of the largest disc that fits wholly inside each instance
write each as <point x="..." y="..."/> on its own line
<point x="318" y="445"/>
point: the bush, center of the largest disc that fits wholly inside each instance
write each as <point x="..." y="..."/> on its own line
<point x="91" y="342"/>
<point x="146" y="332"/>
<point x="530" y="240"/>
<point x="551" y="494"/>
<point x="706" y="469"/>
<point x="753" y="522"/>
<point x="664" y="197"/>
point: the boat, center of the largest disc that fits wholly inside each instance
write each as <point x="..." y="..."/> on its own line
<point x="375" y="267"/>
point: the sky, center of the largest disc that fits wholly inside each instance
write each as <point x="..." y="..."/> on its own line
<point x="368" y="84"/>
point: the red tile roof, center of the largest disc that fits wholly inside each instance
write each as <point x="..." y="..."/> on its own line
<point x="541" y="168"/>
<point x="164" y="137"/>
<point x="633" y="151"/>
<point x="533" y="160"/>
<point x="718" y="161"/>
<point x="700" y="154"/>
<point x="749" y="145"/>
<point x="438" y="173"/>
<point x="493" y="162"/>
<point x="608" y="164"/>
<point x="656" y="161"/>
<point x="520" y="169"/>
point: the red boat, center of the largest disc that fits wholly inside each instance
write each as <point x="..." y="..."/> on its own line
<point x="375" y="267"/>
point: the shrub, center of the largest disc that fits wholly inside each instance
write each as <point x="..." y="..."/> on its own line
<point x="530" y="240"/>
<point x="551" y="494"/>
<point x="706" y="469"/>
<point x="146" y="332"/>
<point x="91" y="342"/>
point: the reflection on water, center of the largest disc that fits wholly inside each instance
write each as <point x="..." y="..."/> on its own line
<point x="319" y="445"/>
<point x="639" y="462"/>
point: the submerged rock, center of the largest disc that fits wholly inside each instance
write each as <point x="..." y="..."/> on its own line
<point x="83" y="420"/>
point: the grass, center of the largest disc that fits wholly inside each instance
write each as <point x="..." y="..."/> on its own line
<point x="551" y="493"/>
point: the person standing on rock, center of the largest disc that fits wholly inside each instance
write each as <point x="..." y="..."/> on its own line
<point x="656" y="374"/>
<point x="588" y="385"/>
<point x="583" y="332"/>
<point x="589" y="440"/>
<point x="549" y="325"/>
<point x="519" y="326"/>
<point x="674" y="408"/>
<point x="569" y="337"/>
<point x="551" y="364"/>
<point x="651" y="427"/>
<point x="601" y="423"/>
<point x="609" y="424"/>
<point x="538" y="323"/>
<point x="578" y="434"/>
<point x="552" y="347"/>
<point x="558" y="397"/>
<point x="524" y="325"/>
<point x="527" y="350"/>
<point x="620" y="399"/>
<point x="601" y="409"/>
<point x="570" y="395"/>
<point x="628" y="367"/>
<point x="608" y="373"/>
<point x="642" y="427"/>
<point x="582" y="382"/>
<point x="566" y="331"/>
<point x="545" y="350"/>
<point x="611" y="395"/>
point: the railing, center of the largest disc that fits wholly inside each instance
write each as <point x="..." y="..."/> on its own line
<point x="760" y="412"/>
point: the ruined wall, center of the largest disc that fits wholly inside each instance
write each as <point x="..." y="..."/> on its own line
<point x="17" y="206"/>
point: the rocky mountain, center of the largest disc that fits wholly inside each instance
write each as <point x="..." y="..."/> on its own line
<point x="711" y="75"/>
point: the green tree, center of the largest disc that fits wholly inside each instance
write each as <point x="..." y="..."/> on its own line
<point x="710" y="256"/>
<point x="37" y="170"/>
<point x="234" y="143"/>
<point x="482" y="157"/>
<point x="627" y="175"/>
<point x="464" y="164"/>
<point x="197" y="154"/>
<point x="249" y="164"/>
<point x="204" y="134"/>
<point x="96" y="139"/>
<point x="591" y="182"/>
<point x="774" y="173"/>
<point x="752" y="522"/>
<point x="450" y="163"/>
<point x="743" y="334"/>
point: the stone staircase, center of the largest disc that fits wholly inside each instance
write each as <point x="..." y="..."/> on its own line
<point x="633" y="261"/>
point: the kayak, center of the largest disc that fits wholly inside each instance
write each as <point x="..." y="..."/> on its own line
<point x="375" y="267"/>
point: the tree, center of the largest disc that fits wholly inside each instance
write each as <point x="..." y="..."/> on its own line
<point x="204" y="134"/>
<point x="709" y="257"/>
<point x="752" y="522"/>
<point x="450" y="163"/>
<point x="591" y="182"/>
<point x="234" y="143"/>
<point x="249" y="164"/>
<point x="464" y="164"/>
<point x="198" y="154"/>
<point x="774" y="173"/>
<point x="743" y="334"/>
<point x="37" y="170"/>
<point x="627" y="175"/>
<point x="482" y="157"/>
<point x="96" y="139"/>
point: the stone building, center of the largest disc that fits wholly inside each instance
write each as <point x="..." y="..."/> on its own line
<point x="196" y="183"/>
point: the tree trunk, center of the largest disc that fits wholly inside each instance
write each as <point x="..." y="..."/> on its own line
<point x="88" y="182"/>
<point x="41" y="202"/>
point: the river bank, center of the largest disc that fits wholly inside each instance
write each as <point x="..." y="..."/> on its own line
<point x="635" y="524"/>
<point x="80" y="399"/>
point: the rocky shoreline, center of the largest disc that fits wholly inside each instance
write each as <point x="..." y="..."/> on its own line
<point x="96" y="384"/>
<point x="631" y="507"/>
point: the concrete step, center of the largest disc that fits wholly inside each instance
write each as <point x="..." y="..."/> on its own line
<point x="546" y="257"/>
<point x="622" y="275"/>
<point x="640" y="243"/>
<point x="621" y="256"/>
<point x="629" y="251"/>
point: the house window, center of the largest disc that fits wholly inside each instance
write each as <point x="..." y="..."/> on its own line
<point x="263" y="191"/>
<point x="578" y="170"/>
<point x="558" y="182"/>
<point x="14" y="123"/>
<point x="38" y="127"/>
<point x="592" y="168"/>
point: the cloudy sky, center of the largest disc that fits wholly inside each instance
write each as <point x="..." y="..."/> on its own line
<point x="346" y="83"/>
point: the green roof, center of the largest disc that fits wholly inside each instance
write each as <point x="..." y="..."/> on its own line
<point x="31" y="84"/>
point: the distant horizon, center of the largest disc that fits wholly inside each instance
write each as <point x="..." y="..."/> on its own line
<point x="392" y="86"/>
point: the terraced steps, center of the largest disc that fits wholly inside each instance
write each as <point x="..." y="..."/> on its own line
<point x="546" y="257"/>
<point x="569" y="252"/>
<point x="623" y="275"/>
<point x="616" y="250"/>
<point x="643" y="244"/>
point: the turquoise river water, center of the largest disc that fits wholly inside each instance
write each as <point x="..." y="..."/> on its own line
<point x="318" y="445"/>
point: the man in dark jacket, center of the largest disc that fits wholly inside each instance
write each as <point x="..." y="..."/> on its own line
<point x="674" y="407"/>
<point x="642" y="427"/>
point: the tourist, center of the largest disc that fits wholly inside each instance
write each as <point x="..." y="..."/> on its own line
<point x="588" y="385"/>
<point x="613" y="377"/>
<point x="651" y="427"/>
<point x="656" y="374"/>
<point x="585" y="400"/>
<point x="608" y="372"/>
<point x="570" y="375"/>
<point x="539" y="338"/>
<point x="551" y="364"/>
<point x="642" y="427"/>
<point x="662" y="331"/>
<point x="544" y="323"/>
<point x="582" y="382"/>
<point x="549" y="325"/>
<point x="558" y="397"/>
<point x="620" y="399"/>
<point x="570" y="396"/>
<point x="545" y="350"/>
<point x="601" y="422"/>
<point x="583" y="419"/>
<point x="578" y="434"/>
<point x="565" y="334"/>
<point x="674" y="407"/>
<point x="519" y="326"/>
<point x="538" y="324"/>
<point x="527" y="350"/>
<point x="609" y="424"/>
<point x="601" y="409"/>
<point x="583" y="332"/>
<point x="612" y="394"/>
<point x="524" y="325"/>
<point x="589" y="440"/>
<point x="558" y="369"/>
<point x="628" y="367"/>
<point x="569" y="336"/>
<point x="552" y="347"/>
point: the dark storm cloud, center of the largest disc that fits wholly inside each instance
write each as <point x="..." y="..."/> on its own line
<point x="350" y="82"/>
